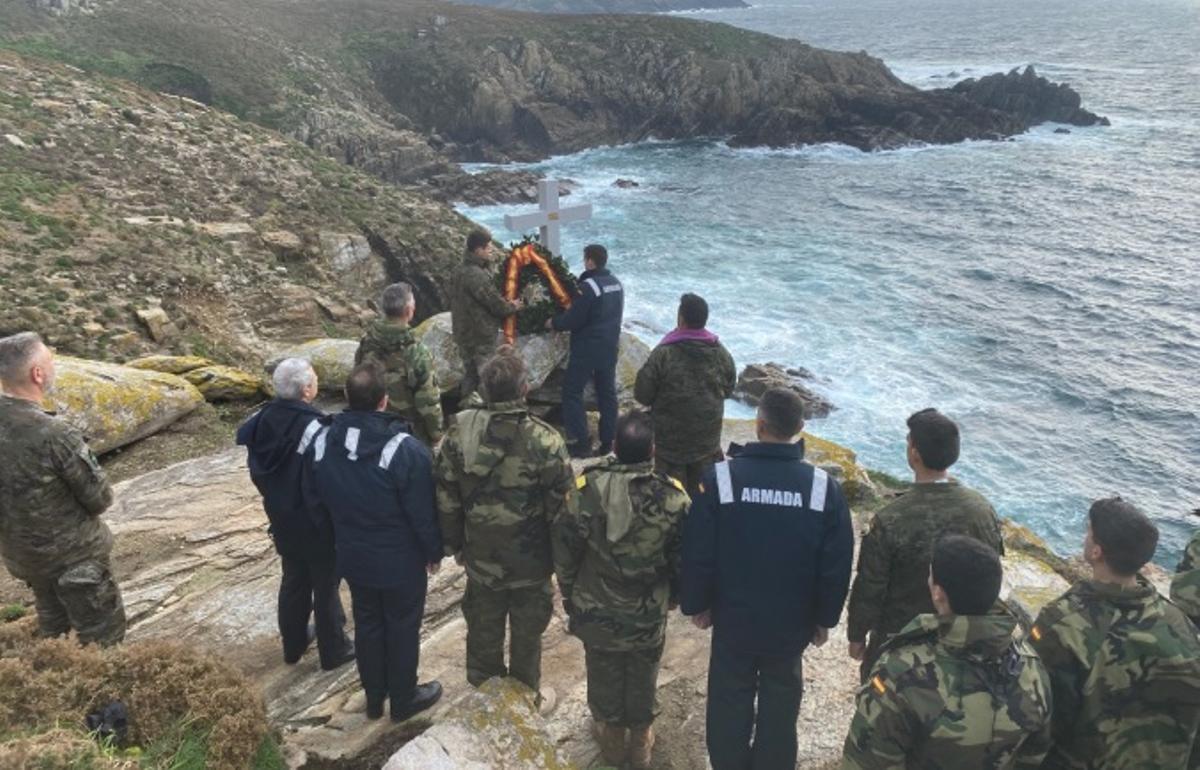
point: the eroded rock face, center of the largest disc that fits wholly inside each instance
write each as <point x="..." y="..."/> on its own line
<point x="543" y="353"/>
<point x="116" y="405"/>
<point x="757" y="379"/>
<point x="496" y="727"/>
<point x="332" y="360"/>
<point x="1031" y="97"/>
<point x="631" y="356"/>
<point x="215" y="382"/>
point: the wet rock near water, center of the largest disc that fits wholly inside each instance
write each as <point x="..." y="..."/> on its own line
<point x="757" y="379"/>
<point x="499" y="186"/>
<point x="1029" y="97"/>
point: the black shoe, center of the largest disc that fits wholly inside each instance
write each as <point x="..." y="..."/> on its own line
<point x="311" y="636"/>
<point x="425" y="696"/>
<point x="340" y="660"/>
<point x="374" y="708"/>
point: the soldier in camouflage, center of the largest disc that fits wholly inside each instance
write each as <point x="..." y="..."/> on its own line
<point x="890" y="587"/>
<point x="412" y="385"/>
<point x="1124" y="662"/>
<point x="52" y="492"/>
<point x="1185" y="586"/>
<point x="685" y="383"/>
<point x="477" y="308"/>
<point x="617" y="556"/>
<point x="955" y="689"/>
<point x="503" y="476"/>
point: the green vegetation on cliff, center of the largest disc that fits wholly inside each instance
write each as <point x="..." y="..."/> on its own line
<point x="133" y="222"/>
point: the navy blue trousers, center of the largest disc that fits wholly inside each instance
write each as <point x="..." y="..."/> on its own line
<point x="603" y="376"/>
<point x="387" y="638"/>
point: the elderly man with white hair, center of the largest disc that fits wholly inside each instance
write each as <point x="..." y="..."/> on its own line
<point x="52" y="493"/>
<point x="278" y="437"/>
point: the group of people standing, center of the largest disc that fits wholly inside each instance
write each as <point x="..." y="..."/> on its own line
<point x="753" y="542"/>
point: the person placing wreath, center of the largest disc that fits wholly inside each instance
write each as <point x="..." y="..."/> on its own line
<point x="477" y="308"/>
<point x="594" y="320"/>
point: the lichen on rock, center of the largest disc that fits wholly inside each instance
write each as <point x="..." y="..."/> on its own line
<point x="496" y="727"/>
<point x="115" y="405"/>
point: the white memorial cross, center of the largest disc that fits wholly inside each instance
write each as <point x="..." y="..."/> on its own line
<point x="549" y="217"/>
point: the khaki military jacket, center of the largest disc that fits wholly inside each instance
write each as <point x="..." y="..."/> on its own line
<point x="890" y="588"/>
<point x="1124" y="664"/>
<point x="412" y="384"/>
<point x="685" y="384"/>
<point x="503" y="476"/>
<point x="951" y="693"/>
<point x="1185" y="586"/>
<point x="52" y="492"/>
<point x="618" y="553"/>
<point x="476" y="307"/>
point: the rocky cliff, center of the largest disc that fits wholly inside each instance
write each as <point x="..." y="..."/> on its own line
<point x="607" y="6"/>
<point x="403" y="89"/>
<point x="133" y="222"/>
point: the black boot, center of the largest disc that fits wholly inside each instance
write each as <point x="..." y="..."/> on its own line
<point x="341" y="659"/>
<point x="374" y="707"/>
<point x="425" y="696"/>
<point x="293" y="658"/>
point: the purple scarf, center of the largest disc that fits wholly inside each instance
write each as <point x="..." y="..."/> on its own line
<point x="690" y="335"/>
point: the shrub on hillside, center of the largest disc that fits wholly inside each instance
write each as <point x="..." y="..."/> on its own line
<point x="177" y="699"/>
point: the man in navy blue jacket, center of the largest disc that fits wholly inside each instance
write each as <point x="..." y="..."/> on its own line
<point x="375" y="481"/>
<point x="766" y="562"/>
<point x="594" y="320"/>
<point x="276" y="438"/>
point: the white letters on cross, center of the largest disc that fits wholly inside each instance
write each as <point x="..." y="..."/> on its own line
<point x="549" y="218"/>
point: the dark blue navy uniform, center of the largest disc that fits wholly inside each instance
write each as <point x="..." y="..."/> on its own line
<point x="375" y="481"/>
<point x="277" y="437"/>
<point x="767" y="548"/>
<point x="594" y="320"/>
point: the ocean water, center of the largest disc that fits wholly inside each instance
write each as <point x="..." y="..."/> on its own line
<point x="1045" y="292"/>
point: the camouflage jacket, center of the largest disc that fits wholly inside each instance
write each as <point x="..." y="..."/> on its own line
<point x="891" y="586"/>
<point x="52" y="493"/>
<point x="412" y="385"/>
<point x="617" y="555"/>
<point x="1185" y="586"/>
<point x="954" y="692"/>
<point x="503" y="477"/>
<point x="477" y="307"/>
<point x="685" y="384"/>
<point x="1124" y="665"/>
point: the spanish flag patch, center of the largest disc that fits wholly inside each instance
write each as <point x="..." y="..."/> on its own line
<point x="878" y="685"/>
<point x="675" y="482"/>
<point x="1035" y="633"/>
<point x="580" y="482"/>
<point x="701" y="487"/>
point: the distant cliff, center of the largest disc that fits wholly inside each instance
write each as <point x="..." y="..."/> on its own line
<point x="403" y="90"/>
<point x="607" y="6"/>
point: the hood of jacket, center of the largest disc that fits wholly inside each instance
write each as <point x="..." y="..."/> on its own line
<point x="362" y="435"/>
<point x="472" y="429"/>
<point x="271" y="434"/>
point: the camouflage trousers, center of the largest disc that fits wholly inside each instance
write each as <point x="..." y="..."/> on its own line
<point x="622" y="686"/>
<point x="525" y="611"/>
<point x="688" y="474"/>
<point x="86" y="599"/>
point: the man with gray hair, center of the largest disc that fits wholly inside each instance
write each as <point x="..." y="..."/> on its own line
<point x="277" y="438"/>
<point x="52" y="492"/>
<point x="412" y="385"/>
